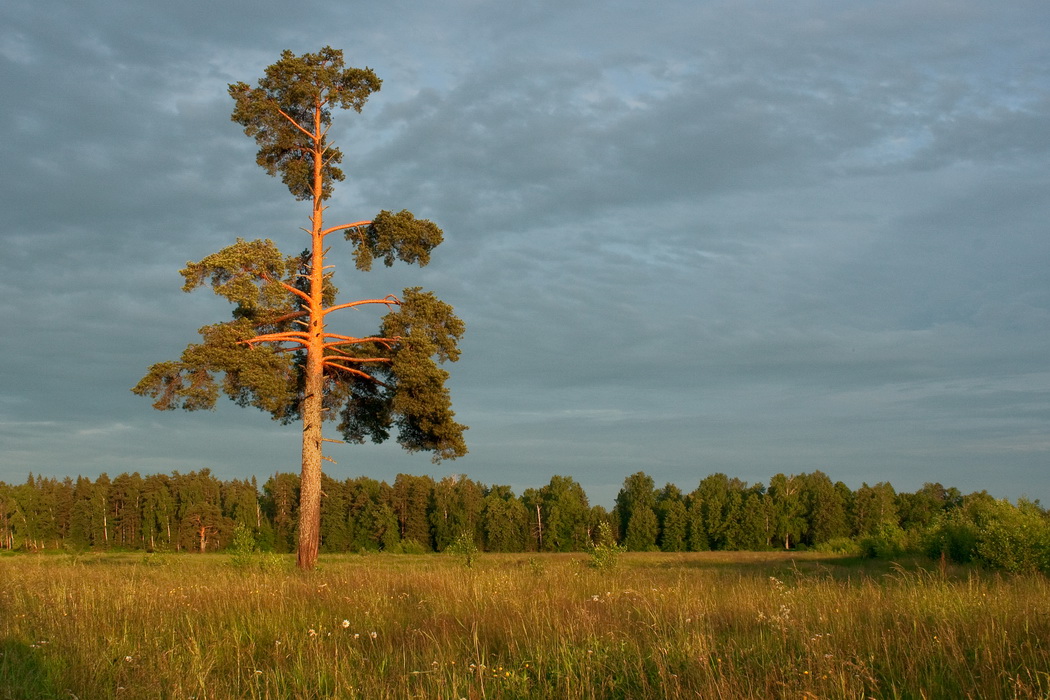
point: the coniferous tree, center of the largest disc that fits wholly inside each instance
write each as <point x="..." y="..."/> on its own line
<point x="411" y="497"/>
<point x="278" y="354"/>
<point x="9" y="513"/>
<point x="280" y="504"/>
<point x="335" y="536"/>
<point x="696" y="530"/>
<point x="126" y="505"/>
<point x="371" y="522"/>
<point x="158" y="512"/>
<point x="100" y="511"/>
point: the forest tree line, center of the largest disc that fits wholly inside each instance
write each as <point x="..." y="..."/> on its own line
<point x="198" y="512"/>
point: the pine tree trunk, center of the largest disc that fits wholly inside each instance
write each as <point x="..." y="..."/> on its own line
<point x="312" y="404"/>
<point x="310" y="494"/>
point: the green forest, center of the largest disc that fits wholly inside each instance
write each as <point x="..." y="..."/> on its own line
<point x="197" y="512"/>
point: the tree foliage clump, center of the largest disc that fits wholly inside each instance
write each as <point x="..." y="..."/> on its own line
<point x="289" y="113"/>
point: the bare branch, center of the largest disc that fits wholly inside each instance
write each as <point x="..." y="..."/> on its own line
<point x="289" y="288"/>
<point x="343" y="227"/>
<point x="282" y="319"/>
<point x="350" y="340"/>
<point x="389" y="301"/>
<point x="285" y="337"/>
<point x="328" y="362"/>
<point x="294" y="123"/>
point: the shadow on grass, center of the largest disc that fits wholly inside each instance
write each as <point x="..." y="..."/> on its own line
<point x="781" y="564"/>
<point x="25" y="672"/>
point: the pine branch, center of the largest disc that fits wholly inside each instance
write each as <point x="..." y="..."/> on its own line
<point x="389" y="301"/>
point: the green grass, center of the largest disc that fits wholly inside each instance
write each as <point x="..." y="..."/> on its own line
<point x="718" y="625"/>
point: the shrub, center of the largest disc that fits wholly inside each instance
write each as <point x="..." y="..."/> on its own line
<point x="408" y="546"/>
<point x="242" y="547"/>
<point x="839" y="545"/>
<point x="605" y="551"/>
<point x="954" y="536"/>
<point x="1016" y="539"/>
<point x="465" y="547"/>
<point x="996" y="534"/>
<point x="888" y="543"/>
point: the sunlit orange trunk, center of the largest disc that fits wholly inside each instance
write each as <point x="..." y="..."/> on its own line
<point x="310" y="495"/>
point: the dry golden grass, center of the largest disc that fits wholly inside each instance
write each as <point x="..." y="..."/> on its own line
<point x="720" y="625"/>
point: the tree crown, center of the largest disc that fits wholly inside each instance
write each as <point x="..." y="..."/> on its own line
<point x="290" y="111"/>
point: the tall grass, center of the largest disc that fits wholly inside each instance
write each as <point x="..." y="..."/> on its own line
<point x="390" y="626"/>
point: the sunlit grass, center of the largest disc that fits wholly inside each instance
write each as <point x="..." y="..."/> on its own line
<point x="517" y="626"/>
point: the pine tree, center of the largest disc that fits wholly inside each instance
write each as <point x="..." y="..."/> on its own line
<point x="278" y="354"/>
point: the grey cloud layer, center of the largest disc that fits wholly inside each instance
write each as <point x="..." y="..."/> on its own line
<point x="750" y="237"/>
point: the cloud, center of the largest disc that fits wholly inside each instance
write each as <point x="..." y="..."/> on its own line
<point x="741" y="237"/>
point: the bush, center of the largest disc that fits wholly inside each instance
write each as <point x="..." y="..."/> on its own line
<point x="1016" y="539"/>
<point x="889" y="542"/>
<point x="954" y="536"/>
<point x="605" y="551"/>
<point x="839" y="545"/>
<point x="465" y="547"/>
<point x="996" y="534"/>
<point x="242" y="547"/>
<point x="408" y="546"/>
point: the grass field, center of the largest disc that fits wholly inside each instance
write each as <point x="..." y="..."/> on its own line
<point x="718" y="625"/>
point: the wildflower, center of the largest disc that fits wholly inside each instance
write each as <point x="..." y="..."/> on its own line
<point x="312" y="633"/>
<point x="373" y="635"/>
<point x="346" y="623"/>
<point x="357" y="635"/>
<point x="128" y="659"/>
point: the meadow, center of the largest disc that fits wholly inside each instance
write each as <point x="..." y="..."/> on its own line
<point x="704" y="625"/>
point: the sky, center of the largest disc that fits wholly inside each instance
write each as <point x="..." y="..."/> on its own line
<point x="686" y="237"/>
